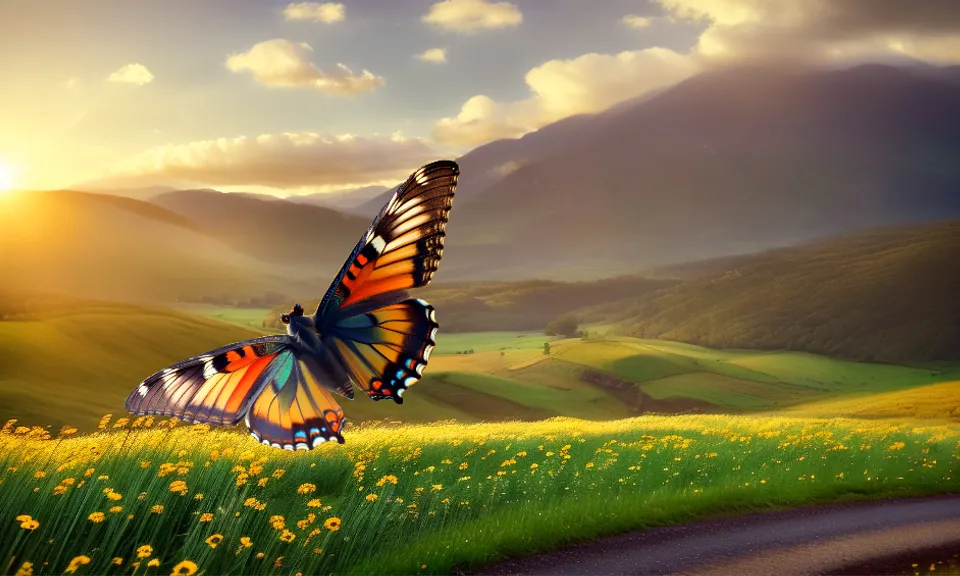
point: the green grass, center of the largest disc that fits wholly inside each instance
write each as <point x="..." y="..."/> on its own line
<point x="426" y="499"/>
<point x="452" y="342"/>
<point x="247" y="317"/>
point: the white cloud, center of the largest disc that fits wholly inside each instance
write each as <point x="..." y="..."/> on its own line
<point x="72" y="84"/>
<point x="433" y="55"/>
<point x="472" y="15"/>
<point x="823" y="30"/>
<point x="281" y="161"/>
<point x="636" y="22"/>
<point x="132" y="74"/>
<point x="327" y="12"/>
<point x="587" y="84"/>
<point x="282" y="63"/>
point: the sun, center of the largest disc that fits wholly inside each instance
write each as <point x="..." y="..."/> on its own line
<point x="6" y="178"/>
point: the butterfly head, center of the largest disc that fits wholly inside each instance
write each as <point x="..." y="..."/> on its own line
<point x="297" y="311"/>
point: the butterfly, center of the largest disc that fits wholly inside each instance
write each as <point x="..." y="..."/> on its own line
<point x="367" y="333"/>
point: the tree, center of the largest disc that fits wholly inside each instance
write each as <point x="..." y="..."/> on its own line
<point x="546" y="348"/>
<point x="564" y="325"/>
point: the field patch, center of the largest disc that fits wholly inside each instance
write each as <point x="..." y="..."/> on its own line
<point x="939" y="401"/>
<point x="725" y="391"/>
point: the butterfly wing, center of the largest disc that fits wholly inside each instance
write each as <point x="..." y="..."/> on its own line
<point x="293" y="411"/>
<point x="400" y="250"/>
<point x="214" y="388"/>
<point x="385" y="350"/>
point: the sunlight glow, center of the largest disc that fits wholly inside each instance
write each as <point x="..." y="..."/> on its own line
<point x="6" y="178"/>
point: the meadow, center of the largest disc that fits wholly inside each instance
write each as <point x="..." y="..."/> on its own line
<point x="167" y="498"/>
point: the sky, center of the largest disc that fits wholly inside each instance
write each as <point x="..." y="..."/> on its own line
<point x="293" y="98"/>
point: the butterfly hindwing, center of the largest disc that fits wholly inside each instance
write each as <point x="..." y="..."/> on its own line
<point x="293" y="411"/>
<point x="215" y="388"/>
<point x="403" y="246"/>
<point x="385" y="350"/>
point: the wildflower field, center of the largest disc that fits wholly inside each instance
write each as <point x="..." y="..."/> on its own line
<point x="168" y="498"/>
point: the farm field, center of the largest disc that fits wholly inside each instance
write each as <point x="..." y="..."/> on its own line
<point x="69" y="364"/>
<point x="428" y="498"/>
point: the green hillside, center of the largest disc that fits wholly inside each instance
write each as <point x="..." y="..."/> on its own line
<point x="885" y="295"/>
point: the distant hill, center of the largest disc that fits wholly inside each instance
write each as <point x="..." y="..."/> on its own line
<point x="275" y="231"/>
<point x="499" y="306"/>
<point x="728" y="162"/>
<point x="343" y="200"/>
<point x="887" y="295"/>
<point x="103" y="246"/>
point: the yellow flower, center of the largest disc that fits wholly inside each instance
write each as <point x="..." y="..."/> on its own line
<point x="206" y="517"/>
<point x="287" y="536"/>
<point x="262" y="482"/>
<point x="464" y="466"/>
<point x="96" y="517"/>
<point x="116" y="509"/>
<point x="534" y="466"/>
<point x="144" y="551"/>
<point x="59" y="490"/>
<point x="437" y="487"/>
<point x="76" y="563"/>
<point x="278" y="473"/>
<point x="197" y="496"/>
<point x="215" y="539"/>
<point x="68" y="481"/>
<point x="371" y="497"/>
<point x="154" y="563"/>
<point x="115" y="496"/>
<point x="246" y="541"/>
<point x="30" y="524"/>
<point x="26" y="569"/>
<point x="259" y="555"/>
<point x="24" y="517"/>
<point x="39" y="474"/>
<point x="178" y="486"/>
<point x="185" y="568"/>
<point x="315" y="503"/>
<point x="117" y="561"/>
<point x="332" y="524"/>
<point x="388" y="478"/>
<point x="306" y="489"/>
<point x="157" y="509"/>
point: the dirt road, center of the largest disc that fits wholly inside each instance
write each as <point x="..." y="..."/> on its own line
<point x="812" y="540"/>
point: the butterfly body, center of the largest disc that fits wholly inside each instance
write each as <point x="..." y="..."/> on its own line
<point x="366" y="333"/>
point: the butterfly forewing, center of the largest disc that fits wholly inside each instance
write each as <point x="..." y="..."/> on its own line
<point x="402" y="247"/>
<point x="215" y="387"/>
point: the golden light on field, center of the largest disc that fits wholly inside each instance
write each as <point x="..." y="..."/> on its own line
<point x="6" y="178"/>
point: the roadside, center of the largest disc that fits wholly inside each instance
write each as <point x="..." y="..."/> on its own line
<point x="831" y="538"/>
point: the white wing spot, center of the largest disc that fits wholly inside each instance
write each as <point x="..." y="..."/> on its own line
<point x="142" y="390"/>
<point x="427" y="351"/>
<point x="208" y="370"/>
<point x="421" y="177"/>
<point x="378" y="244"/>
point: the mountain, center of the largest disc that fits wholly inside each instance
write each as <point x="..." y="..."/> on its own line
<point x="885" y="295"/>
<point x="728" y="162"/>
<point x="137" y="193"/>
<point x="342" y="200"/>
<point x="103" y="246"/>
<point x="276" y="231"/>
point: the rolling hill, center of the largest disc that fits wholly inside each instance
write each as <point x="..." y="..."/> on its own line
<point x="110" y="247"/>
<point x="887" y="295"/>
<point x="728" y="162"/>
<point x="273" y="230"/>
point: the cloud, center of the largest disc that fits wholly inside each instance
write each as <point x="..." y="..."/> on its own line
<point x="132" y="74"/>
<point x="285" y="64"/>
<point x="327" y="12"/>
<point x="434" y="55"/>
<point x="823" y="30"/>
<point x="72" y="84"/>
<point x="734" y="31"/>
<point x="587" y="84"/>
<point x="281" y="161"/>
<point x="636" y="22"/>
<point x="469" y="16"/>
